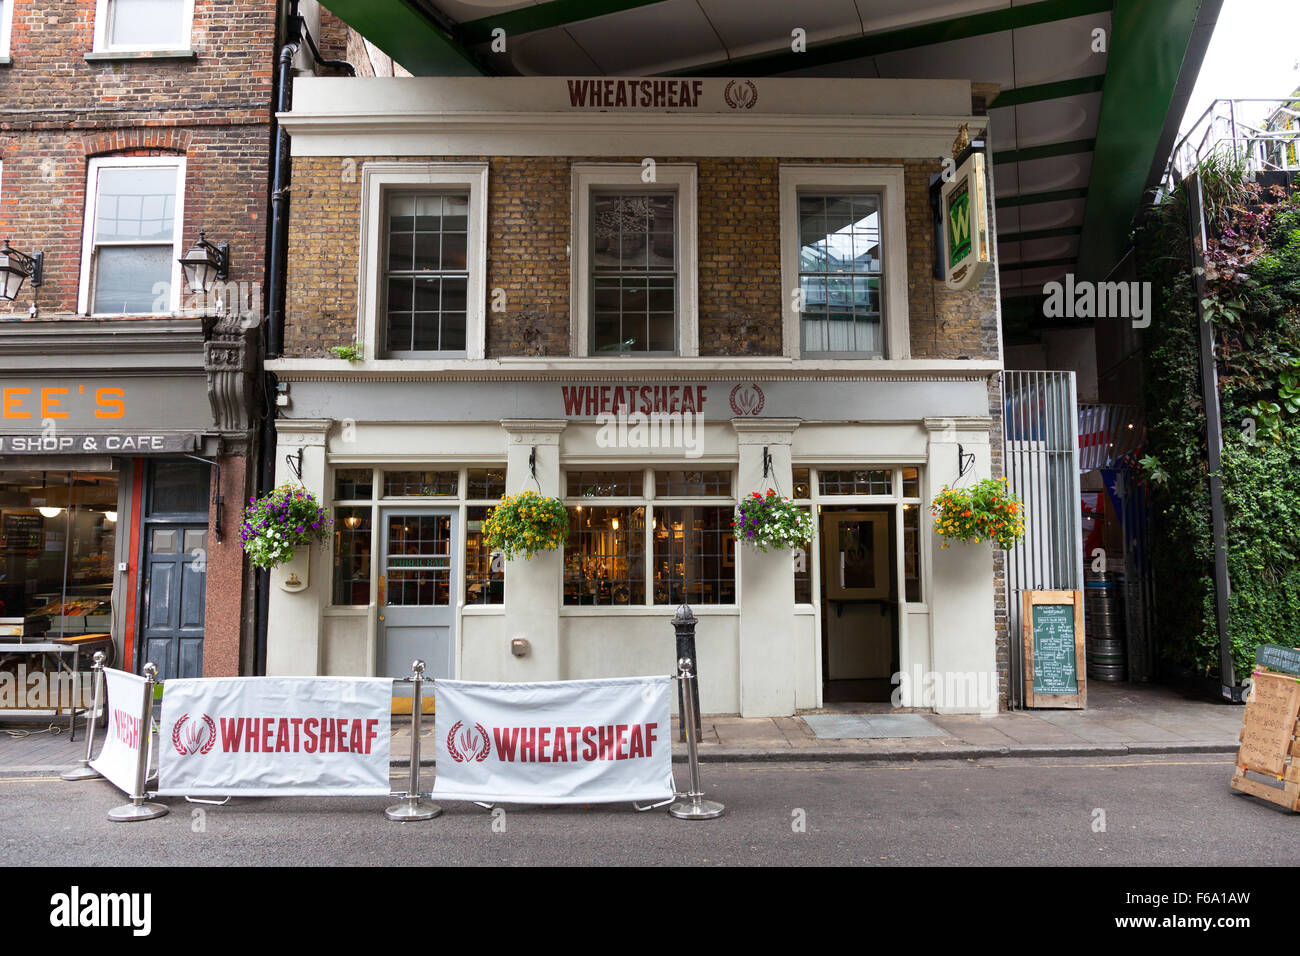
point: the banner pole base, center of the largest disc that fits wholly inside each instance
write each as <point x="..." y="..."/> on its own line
<point x="695" y="807"/>
<point x="81" y="773"/>
<point x="411" y="809"/>
<point x="131" y="812"/>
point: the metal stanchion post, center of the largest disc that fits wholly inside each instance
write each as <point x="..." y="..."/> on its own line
<point x="137" y="809"/>
<point x="684" y="622"/>
<point x="413" y="808"/>
<point x="85" y="771"/>
<point x="693" y="806"/>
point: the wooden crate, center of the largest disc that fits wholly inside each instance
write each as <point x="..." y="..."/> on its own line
<point x="1270" y="741"/>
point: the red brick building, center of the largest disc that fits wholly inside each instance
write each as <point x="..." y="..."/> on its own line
<point x="131" y="405"/>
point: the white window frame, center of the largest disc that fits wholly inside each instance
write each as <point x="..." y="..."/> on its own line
<point x="84" y="291"/>
<point x="680" y="177"/>
<point x="6" y="27"/>
<point x="104" y="12"/>
<point x="889" y="183"/>
<point x="377" y="181"/>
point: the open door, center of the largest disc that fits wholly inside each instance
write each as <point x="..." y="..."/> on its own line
<point x="859" y="603"/>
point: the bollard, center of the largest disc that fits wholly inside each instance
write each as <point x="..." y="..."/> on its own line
<point x="137" y="809"/>
<point x="85" y="771"/>
<point x="684" y="622"/>
<point x="413" y="808"/>
<point x="693" y="806"/>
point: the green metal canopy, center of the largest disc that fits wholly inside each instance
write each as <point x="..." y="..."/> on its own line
<point x="1091" y="90"/>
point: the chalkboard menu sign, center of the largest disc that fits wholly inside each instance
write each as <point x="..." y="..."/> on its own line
<point x="1053" y="649"/>
<point x="22" y="532"/>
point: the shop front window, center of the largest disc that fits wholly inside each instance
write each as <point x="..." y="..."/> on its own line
<point x="485" y="572"/>
<point x="352" y="555"/>
<point x="58" y="532"/>
<point x="694" y="555"/>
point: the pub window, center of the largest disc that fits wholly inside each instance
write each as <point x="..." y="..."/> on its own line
<point x="132" y="236"/>
<point x="634" y="268"/>
<point x="844" y="252"/>
<point x="604" y="558"/>
<point x="603" y="484"/>
<point x="802" y="558"/>
<point x="693" y="484"/>
<point x="421" y="484"/>
<point x="912" y="552"/>
<point x="352" y="555"/>
<point x="143" y="24"/>
<point x="694" y="555"/>
<point x="485" y="572"/>
<point x="354" y="484"/>
<point x="427" y="274"/>
<point x="855" y="482"/>
<point x="633" y="273"/>
<point x="840" y="273"/>
<point x="485" y="484"/>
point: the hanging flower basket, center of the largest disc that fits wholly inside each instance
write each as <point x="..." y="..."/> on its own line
<point x="281" y="521"/>
<point x="525" y="524"/>
<point x="772" y="522"/>
<point x="987" y="511"/>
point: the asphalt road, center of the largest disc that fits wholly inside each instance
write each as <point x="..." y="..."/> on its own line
<point x="1175" y="811"/>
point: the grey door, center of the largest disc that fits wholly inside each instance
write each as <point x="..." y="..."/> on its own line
<point x="416" y="615"/>
<point x="174" y="587"/>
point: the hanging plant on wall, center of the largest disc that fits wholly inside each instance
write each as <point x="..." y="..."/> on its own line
<point x="525" y="524"/>
<point x="987" y="511"/>
<point x="772" y="522"/>
<point x="280" y="521"/>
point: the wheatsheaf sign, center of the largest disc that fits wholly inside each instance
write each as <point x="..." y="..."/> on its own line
<point x="965" y="225"/>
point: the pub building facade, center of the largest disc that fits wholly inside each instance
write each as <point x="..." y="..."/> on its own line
<point x="649" y="298"/>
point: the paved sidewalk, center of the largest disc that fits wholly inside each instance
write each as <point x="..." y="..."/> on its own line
<point x="1120" y="719"/>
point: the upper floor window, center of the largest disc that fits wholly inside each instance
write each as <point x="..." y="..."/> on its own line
<point x="634" y="261"/>
<point x="424" y="260"/>
<point x="839" y="273"/>
<point x="633" y="273"/>
<point x="843" y="262"/>
<point x="427" y="279"/>
<point x="132" y="236"/>
<point x="142" y="24"/>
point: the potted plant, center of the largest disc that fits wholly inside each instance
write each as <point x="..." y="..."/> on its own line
<point x="771" y="521"/>
<point x="987" y="511"/>
<point x="525" y="524"/>
<point x="281" y="521"/>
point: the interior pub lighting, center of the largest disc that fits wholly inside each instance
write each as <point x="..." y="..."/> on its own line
<point x="15" y="267"/>
<point x="204" y="264"/>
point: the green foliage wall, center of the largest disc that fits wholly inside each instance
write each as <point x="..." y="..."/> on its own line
<point x="1252" y="285"/>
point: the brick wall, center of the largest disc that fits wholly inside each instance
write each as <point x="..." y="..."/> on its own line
<point x="57" y="110"/>
<point x="529" y="224"/>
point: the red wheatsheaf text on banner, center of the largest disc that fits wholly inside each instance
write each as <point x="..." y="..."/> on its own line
<point x="275" y="736"/>
<point x="123" y="733"/>
<point x="579" y="741"/>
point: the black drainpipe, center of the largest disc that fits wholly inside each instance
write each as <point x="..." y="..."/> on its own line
<point x="276" y="274"/>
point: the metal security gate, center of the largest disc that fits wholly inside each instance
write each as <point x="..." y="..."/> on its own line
<point x="1041" y="459"/>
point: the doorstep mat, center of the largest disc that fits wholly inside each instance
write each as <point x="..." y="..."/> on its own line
<point x="870" y="726"/>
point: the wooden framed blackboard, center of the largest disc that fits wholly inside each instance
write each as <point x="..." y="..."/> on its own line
<point x="1055" y="675"/>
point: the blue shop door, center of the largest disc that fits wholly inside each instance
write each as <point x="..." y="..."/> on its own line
<point x="174" y="587"/>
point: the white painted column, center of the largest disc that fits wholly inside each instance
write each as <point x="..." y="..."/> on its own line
<point x="293" y="632"/>
<point x="964" y="656"/>
<point x="533" y="585"/>
<point x="766" y="585"/>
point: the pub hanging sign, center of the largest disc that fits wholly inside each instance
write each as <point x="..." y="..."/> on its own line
<point x="965" y="225"/>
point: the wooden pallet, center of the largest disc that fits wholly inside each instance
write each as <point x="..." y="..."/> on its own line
<point x="1270" y="741"/>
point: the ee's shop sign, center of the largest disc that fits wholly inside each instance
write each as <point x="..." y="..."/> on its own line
<point x="965" y="225"/>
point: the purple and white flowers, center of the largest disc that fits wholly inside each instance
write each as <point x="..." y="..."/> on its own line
<point x="280" y="521"/>
<point x="772" y="522"/>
